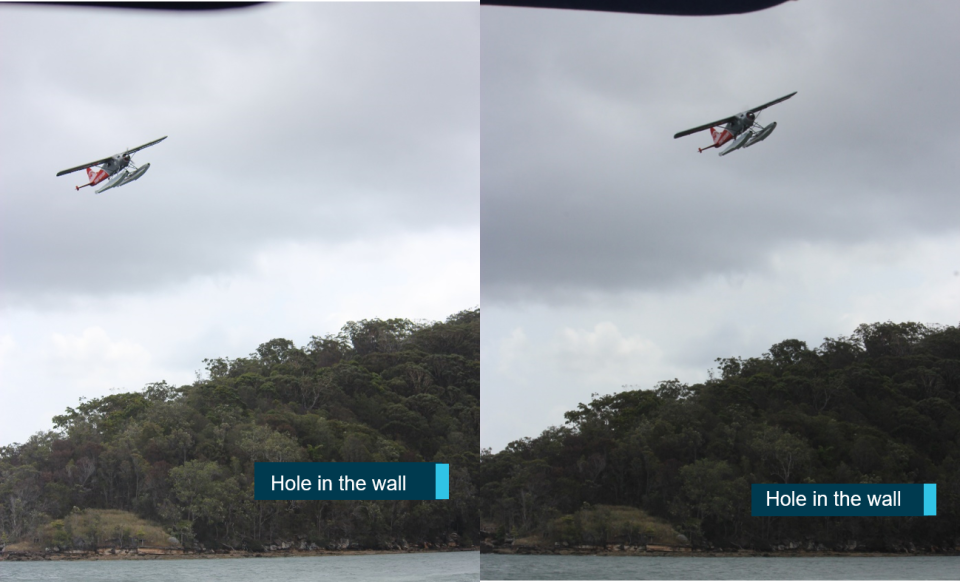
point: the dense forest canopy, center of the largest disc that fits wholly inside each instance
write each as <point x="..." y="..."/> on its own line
<point x="879" y="406"/>
<point x="183" y="457"/>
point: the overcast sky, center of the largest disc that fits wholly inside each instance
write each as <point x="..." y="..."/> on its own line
<point x="615" y="255"/>
<point x="322" y="166"/>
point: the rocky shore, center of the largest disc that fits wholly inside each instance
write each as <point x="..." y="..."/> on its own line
<point x="686" y="551"/>
<point x="144" y="553"/>
<point x="682" y="547"/>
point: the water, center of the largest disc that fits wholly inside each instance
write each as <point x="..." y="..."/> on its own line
<point x="511" y="567"/>
<point x="452" y="566"/>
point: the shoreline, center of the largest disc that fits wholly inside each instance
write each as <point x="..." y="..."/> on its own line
<point x="526" y="551"/>
<point x="133" y="554"/>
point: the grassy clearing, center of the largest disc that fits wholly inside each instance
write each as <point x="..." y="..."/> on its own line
<point x="611" y="524"/>
<point x="22" y="546"/>
<point x="91" y="528"/>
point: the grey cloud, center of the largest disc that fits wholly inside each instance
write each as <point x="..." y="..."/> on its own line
<point x="326" y="122"/>
<point x="584" y="189"/>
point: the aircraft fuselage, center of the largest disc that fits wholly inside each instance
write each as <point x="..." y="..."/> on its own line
<point x="732" y="130"/>
<point x="111" y="167"/>
<point x="116" y="163"/>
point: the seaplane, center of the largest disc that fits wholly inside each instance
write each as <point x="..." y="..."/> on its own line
<point x="742" y="129"/>
<point x="118" y="170"/>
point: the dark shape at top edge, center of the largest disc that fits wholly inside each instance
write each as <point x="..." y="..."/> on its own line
<point x="168" y="6"/>
<point x="663" y="7"/>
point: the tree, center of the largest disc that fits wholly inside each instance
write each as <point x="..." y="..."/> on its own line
<point x="262" y="443"/>
<point x="378" y="336"/>
<point x="785" y="453"/>
<point x="184" y="456"/>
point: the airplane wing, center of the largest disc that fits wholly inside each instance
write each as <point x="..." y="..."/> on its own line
<point x="104" y="160"/>
<point x="146" y="145"/>
<point x="774" y="102"/>
<point x="705" y="126"/>
<point x="732" y="117"/>
<point x="84" y="166"/>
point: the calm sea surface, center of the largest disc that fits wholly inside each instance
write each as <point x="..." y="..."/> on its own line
<point x="501" y="567"/>
<point x="453" y="566"/>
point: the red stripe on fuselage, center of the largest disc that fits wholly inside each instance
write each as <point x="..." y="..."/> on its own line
<point x="100" y="177"/>
<point x="722" y="137"/>
<point x="95" y="177"/>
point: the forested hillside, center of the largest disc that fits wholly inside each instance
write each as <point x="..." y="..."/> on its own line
<point x="183" y="457"/>
<point x="880" y="406"/>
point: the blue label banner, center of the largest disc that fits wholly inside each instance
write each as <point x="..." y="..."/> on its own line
<point x="351" y="481"/>
<point x="852" y="499"/>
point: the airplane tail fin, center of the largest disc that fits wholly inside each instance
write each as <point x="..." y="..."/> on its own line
<point x="713" y="134"/>
<point x="91" y="172"/>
